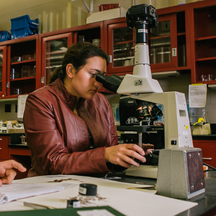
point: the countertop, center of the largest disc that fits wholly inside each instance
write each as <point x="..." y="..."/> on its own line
<point x="6" y="133"/>
<point x="206" y="201"/>
<point x="204" y="137"/>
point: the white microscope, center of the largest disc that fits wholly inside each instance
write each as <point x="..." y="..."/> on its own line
<point x="177" y="132"/>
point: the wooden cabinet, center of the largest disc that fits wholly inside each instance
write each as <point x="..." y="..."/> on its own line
<point x="55" y="44"/>
<point x="15" y="152"/>
<point x="203" y="36"/>
<point x="22" y="155"/>
<point x="4" y="152"/>
<point x="52" y="52"/>
<point x="163" y="43"/>
<point x="19" y="71"/>
<point x="120" y="46"/>
<point x="2" y="71"/>
<point x="208" y="150"/>
<point x="170" y="41"/>
<point x="92" y="33"/>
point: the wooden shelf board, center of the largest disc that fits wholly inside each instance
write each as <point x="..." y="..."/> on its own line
<point x="23" y="62"/>
<point x="19" y="79"/>
<point x="206" y="59"/>
<point x="205" y="38"/>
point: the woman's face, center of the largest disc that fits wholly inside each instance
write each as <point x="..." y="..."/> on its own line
<point x="83" y="83"/>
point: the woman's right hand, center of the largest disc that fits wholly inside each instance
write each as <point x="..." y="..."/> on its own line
<point x="124" y="155"/>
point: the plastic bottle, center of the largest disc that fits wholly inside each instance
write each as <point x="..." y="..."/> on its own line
<point x="204" y="115"/>
<point x="9" y="125"/>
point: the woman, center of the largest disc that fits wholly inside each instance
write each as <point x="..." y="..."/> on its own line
<point x="69" y="126"/>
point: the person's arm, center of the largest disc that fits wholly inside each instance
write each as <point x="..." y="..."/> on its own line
<point x="7" y="174"/>
<point x="126" y="154"/>
<point x="58" y="139"/>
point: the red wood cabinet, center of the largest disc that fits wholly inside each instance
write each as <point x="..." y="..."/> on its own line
<point x="19" y="66"/>
<point x="20" y="154"/>
<point x="55" y="44"/>
<point x="163" y="43"/>
<point x="4" y="151"/>
<point x="203" y="38"/>
<point x="208" y="150"/>
<point x="52" y="53"/>
<point x="3" y="71"/>
<point x="169" y="45"/>
<point x="120" y="46"/>
<point x="23" y="156"/>
<point x="173" y="36"/>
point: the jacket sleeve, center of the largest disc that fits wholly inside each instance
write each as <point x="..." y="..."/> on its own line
<point x="48" y="150"/>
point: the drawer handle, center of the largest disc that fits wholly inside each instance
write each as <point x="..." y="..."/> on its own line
<point x="0" y="148"/>
<point x="207" y="158"/>
<point x="0" y="138"/>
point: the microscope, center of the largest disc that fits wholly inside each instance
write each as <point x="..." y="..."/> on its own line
<point x="140" y="88"/>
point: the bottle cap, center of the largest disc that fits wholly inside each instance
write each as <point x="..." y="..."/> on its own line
<point x="88" y="189"/>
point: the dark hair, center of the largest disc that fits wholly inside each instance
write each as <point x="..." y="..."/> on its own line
<point x="77" y="55"/>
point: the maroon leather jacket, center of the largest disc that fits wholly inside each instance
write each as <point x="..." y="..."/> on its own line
<point x="59" y="139"/>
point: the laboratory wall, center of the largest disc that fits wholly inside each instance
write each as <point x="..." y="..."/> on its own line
<point x="8" y="110"/>
<point x="55" y="14"/>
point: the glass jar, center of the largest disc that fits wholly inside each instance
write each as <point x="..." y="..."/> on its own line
<point x="88" y="195"/>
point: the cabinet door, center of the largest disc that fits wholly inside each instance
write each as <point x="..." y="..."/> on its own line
<point x="22" y="70"/>
<point x="121" y="42"/>
<point x="4" y="142"/>
<point x="3" y="71"/>
<point x="92" y="33"/>
<point x="203" y="43"/>
<point x="208" y="150"/>
<point x="163" y="44"/>
<point x="53" y="50"/>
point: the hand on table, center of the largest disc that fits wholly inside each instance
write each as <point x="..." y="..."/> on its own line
<point x="7" y="174"/>
<point x="125" y="154"/>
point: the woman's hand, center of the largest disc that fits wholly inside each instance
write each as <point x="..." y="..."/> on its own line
<point x="124" y="155"/>
<point x="7" y="174"/>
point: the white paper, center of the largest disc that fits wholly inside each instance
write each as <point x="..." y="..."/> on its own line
<point x="21" y="105"/>
<point x="197" y="95"/>
<point x="95" y="212"/>
<point x="17" y="191"/>
<point x="114" y="194"/>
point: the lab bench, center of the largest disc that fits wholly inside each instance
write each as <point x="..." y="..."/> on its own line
<point x="206" y="201"/>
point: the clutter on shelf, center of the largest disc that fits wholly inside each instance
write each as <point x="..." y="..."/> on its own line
<point x="23" y="26"/>
<point x="4" y="36"/>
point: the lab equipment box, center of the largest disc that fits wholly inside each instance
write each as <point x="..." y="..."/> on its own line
<point x="23" y="21"/>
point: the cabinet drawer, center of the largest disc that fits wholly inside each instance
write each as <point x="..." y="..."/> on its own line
<point x="208" y="150"/>
<point x="4" y="142"/>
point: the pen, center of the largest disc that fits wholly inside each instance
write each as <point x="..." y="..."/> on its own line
<point x="37" y="206"/>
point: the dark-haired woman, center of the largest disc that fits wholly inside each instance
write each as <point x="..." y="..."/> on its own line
<point x="69" y="125"/>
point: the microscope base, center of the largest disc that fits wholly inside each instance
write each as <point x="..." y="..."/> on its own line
<point x="146" y="171"/>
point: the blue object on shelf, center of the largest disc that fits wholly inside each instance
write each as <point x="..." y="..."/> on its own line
<point x="4" y="36"/>
<point x="23" y="21"/>
<point x="22" y="32"/>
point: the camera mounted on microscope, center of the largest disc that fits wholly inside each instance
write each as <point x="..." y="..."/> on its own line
<point x="143" y="17"/>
